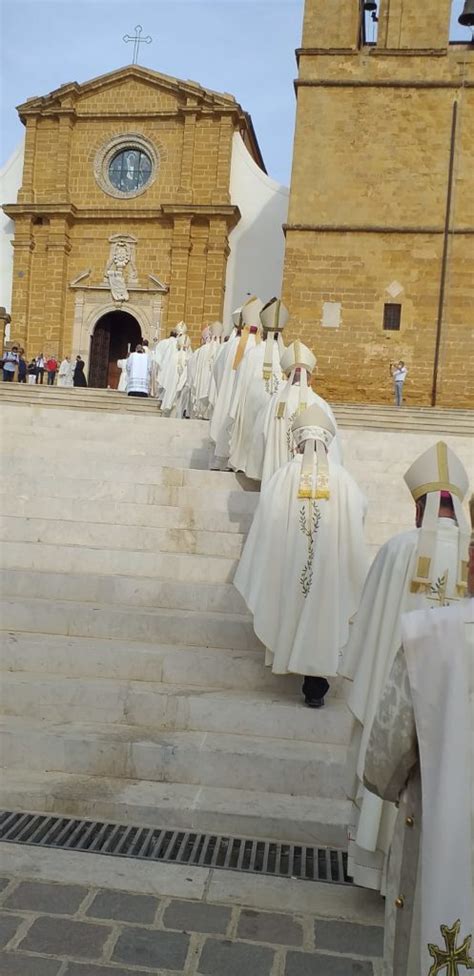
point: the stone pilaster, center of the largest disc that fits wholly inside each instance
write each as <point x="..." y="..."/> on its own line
<point x="179" y="270"/>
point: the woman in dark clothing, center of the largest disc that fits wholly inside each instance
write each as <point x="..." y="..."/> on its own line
<point x="78" y="377"/>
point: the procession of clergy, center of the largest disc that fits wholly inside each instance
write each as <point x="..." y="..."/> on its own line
<point x="403" y="632"/>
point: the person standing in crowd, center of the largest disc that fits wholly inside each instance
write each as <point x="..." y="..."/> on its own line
<point x="398" y="372"/>
<point x="10" y="362"/>
<point x="138" y="373"/>
<point x="425" y="722"/>
<point x="40" y="367"/>
<point x="32" y="371"/>
<point x="66" y="371"/>
<point x="424" y="567"/>
<point x="22" y="367"/>
<point x="78" y="375"/>
<point x="51" y="369"/>
<point x="304" y="563"/>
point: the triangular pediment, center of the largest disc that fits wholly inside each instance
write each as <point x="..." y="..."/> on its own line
<point x="129" y="81"/>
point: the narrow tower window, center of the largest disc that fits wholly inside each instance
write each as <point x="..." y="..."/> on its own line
<point x="391" y="316"/>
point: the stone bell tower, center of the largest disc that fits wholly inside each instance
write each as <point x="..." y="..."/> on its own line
<point x="379" y="239"/>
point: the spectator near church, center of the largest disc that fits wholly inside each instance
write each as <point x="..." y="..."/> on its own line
<point x="32" y="372"/>
<point x="398" y="371"/>
<point x="22" y="367"/>
<point x="10" y="362"/>
<point x="51" y="368"/>
<point x="40" y="367"/>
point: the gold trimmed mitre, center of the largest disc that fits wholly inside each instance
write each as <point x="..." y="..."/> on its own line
<point x="313" y="428"/>
<point x="438" y="469"/>
<point x="296" y="356"/>
<point x="273" y="317"/>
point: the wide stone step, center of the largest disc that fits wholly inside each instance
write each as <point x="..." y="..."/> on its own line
<point x="206" y="758"/>
<point x="122" y="590"/>
<point x="37" y="506"/>
<point x="90" y="700"/>
<point x="201" y="667"/>
<point x="97" y="535"/>
<point x="118" y="562"/>
<point x="306" y="820"/>
<point x="157" y="625"/>
<point x="163" y="474"/>
<point x="112" y="463"/>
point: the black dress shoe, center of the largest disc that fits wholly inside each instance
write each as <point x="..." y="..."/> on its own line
<point x="314" y="702"/>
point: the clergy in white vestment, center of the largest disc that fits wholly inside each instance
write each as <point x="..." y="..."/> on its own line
<point x="224" y="379"/>
<point x="66" y="372"/>
<point x="122" y="383"/>
<point x="206" y="389"/>
<point x="174" y="370"/>
<point x="272" y="442"/>
<point x="420" y="568"/>
<point x="159" y="356"/>
<point x="304" y="563"/>
<point x="138" y="370"/>
<point x="420" y="756"/>
<point x="259" y="376"/>
<point x="223" y="417"/>
<point x="186" y="400"/>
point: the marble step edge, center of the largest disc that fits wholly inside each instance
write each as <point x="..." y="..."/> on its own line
<point x="174" y="477"/>
<point x="163" y="625"/>
<point x="248" y="813"/>
<point x="108" y="512"/>
<point x="138" y="563"/>
<point x="184" y="756"/>
<point x="211" y="668"/>
<point x="53" y="698"/>
<point x="147" y="591"/>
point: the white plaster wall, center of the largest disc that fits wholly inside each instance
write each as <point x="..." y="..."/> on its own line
<point x="257" y="243"/>
<point x="10" y="182"/>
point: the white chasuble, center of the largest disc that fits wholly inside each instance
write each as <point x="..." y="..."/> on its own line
<point x="374" y="640"/>
<point x="420" y="755"/>
<point x="302" y="570"/>
<point x="224" y="376"/>
<point x="251" y="395"/>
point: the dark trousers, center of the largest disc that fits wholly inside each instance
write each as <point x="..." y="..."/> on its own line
<point x="22" y="378"/>
<point x="39" y="375"/>
<point x="51" y="378"/>
<point x="315" y="688"/>
<point x="8" y="375"/>
<point x="137" y="393"/>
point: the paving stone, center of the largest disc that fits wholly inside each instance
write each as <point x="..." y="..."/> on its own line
<point x="16" y="964"/>
<point x="234" y="959"/>
<point x="4" y="882"/>
<point x="8" y="927"/>
<point x="269" y="927"/>
<point x="142" y="947"/>
<point x="317" y="964"/>
<point x="85" y="969"/>
<point x="69" y="938"/>
<point x="121" y="906"/>
<point x="364" y="940"/>
<point x="197" y="917"/>
<point x="39" y="896"/>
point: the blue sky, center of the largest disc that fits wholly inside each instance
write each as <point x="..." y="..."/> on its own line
<point x="245" y="47"/>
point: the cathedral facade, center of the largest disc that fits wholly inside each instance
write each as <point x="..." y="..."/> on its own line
<point x="132" y="186"/>
<point x="379" y="239"/>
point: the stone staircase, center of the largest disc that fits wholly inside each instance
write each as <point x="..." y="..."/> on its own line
<point x="133" y="686"/>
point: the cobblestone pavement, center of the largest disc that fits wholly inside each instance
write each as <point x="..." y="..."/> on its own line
<point x="52" y="929"/>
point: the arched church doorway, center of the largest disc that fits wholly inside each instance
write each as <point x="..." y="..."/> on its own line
<point x="115" y="335"/>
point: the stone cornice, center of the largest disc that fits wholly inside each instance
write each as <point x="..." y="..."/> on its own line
<point x="372" y="229"/>
<point x="374" y="83"/>
<point x="123" y="212"/>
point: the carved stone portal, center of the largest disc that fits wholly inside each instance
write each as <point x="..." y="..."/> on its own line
<point x="121" y="267"/>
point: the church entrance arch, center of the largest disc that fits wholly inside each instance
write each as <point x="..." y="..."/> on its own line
<point x="115" y="335"/>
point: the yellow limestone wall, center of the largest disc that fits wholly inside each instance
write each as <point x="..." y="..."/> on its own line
<point x="63" y="218"/>
<point x="368" y="200"/>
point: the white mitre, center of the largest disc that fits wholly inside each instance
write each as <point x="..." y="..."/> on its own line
<point x="250" y="316"/>
<point x="273" y="317"/>
<point x="315" y="430"/>
<point x="181" y="328"/>
<point x="296" y="356"/>
<point x="216" y="330"/>
<point x="437" y="470"/>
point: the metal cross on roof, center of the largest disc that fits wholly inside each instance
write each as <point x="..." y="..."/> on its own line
<point x="137" y="40"/>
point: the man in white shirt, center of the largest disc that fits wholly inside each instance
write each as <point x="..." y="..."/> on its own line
<point x="399" y="373"/>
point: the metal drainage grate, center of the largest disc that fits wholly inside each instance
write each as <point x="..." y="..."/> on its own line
<point x="176" y="846"/>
